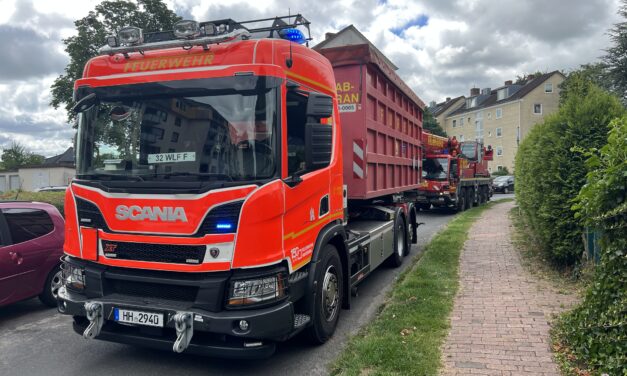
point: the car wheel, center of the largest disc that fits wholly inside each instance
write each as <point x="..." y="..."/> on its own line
<point x="506" y="190"/>
<point x="329" y="287"/>
<point x="51" y="288"/>
<point x="400" y="243"/>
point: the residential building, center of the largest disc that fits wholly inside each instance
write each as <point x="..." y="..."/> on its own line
<point x="55" y="171"/>
<point x="502" y="117"/>
<point x="441" y="110"/>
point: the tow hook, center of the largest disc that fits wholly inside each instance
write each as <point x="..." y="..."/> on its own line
<point x="184" y="330"/>
<point x="94" y="315"/>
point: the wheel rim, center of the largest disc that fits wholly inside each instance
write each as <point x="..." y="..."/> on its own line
<point x="55" y="284"/>
<point x="400" y="241"/>
<point x="330" y="294"/>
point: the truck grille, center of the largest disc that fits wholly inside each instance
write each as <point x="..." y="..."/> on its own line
<point x="154" y="290"/>
<point x="175" y="254"/>
<point x="221" y="219"/>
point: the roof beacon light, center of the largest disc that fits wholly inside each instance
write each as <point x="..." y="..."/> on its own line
<point x="293" y="35"/>
<point x="186" y="29"/>
<point x="130" y="36"/>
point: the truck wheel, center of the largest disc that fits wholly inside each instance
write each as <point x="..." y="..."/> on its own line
<point x="400" y="243"/>
<point x="468" y="199"/>
<point x="329" y="285"/>
<point x="461" y="201"/>
<point x="482" y="195"/>
<point x="51" y="288"/>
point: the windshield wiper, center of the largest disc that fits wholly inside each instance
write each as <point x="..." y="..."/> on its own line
<point x="198" y="174"/>
<point x="110" y="176"/>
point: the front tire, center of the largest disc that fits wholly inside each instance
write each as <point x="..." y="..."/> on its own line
<point x="51" y="288"/>
<point x="329" y="294"/>
<point x="461" y="201"/>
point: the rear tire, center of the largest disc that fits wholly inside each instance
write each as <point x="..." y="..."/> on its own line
<point x="469" y="198"/>
<point x="329" y="294"/>
<point x="400" y="242"/>
<point x="51" y="288"/>
<point x="461" y="201"/>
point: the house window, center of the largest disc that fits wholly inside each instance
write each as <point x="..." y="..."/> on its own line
<point x="499" y="168"/>
<point x="479" y="130"/>
<point x="468" y="119"/>
<point x="177" y="121"/>
<point x="501" y="94"/>
<point x="548" y="87"/>
<point x="489" y="115"/>
<point x="498" y="113"/>
<point x="499" y="132"/>
<point x="454" y="123"/>
<point x="537" y="108"/>
<point x="461" y="138"/>
<point x="461" y="122"/>
<point x="175" y="137"/>
<point x="499" y="151"/>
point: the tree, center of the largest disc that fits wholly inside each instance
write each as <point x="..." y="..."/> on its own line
<point x="431" y="125"/>
<point x="594" y="72"/>
<point x="616" y="58"/>
<point x="549" y="174"/>
<point x="522" y="79"/>
<point x="16" y="156"/>
<point x="106" y="19"/>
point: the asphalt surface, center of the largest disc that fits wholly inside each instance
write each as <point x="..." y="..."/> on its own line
<point x="36" y="340"/>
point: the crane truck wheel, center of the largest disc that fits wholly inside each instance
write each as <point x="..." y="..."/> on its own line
<point x="461" y="201"/>
<point x="400" y="242"/>
<point x="329" y="286"/>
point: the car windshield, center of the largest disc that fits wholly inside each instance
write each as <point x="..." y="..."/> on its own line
<point x="209" y="129"/>
<point x="435" y="168"/>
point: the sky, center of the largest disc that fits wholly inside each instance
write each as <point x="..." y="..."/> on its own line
<point x="442" y="47"/>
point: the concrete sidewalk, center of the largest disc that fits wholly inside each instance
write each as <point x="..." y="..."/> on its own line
<point x="499" y="324"/>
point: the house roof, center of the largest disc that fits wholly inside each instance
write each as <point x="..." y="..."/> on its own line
<point x="443" y="106"/>
<point x="65" y="158"/>
<point x="350" y="36"/>
<point x="491" y="100"/>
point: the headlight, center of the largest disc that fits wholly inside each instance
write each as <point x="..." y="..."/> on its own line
<point x="73" y="277"/>
<point x="256" y="290"/>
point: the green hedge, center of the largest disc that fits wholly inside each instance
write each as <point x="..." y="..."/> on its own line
<point x="54" y="198"/>
<point x="549" y="173"/>
<point x="595" y="332"/>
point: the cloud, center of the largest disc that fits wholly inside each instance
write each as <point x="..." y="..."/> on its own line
<point x="442" y="48"/>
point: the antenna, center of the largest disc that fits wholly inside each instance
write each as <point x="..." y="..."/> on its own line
<point x="289" y="62"/>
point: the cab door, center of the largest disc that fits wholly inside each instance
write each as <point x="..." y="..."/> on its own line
<point x="307" y="190"/>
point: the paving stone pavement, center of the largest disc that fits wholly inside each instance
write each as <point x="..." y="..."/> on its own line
<point x="499" y="323"/>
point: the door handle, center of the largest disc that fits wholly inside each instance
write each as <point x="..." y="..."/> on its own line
<point x="16" y="257"/>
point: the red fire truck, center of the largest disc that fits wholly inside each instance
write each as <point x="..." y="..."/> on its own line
<point x="455" y="174"/>
<point x="223" y="201"/>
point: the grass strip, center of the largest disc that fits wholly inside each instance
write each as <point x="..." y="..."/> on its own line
<point x="407" y="336"/>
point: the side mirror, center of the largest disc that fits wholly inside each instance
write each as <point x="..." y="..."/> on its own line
<point x="85" y="103"/>
<point x="488" y="154"/>
<point x="319" y="106"/>
<point x="318" y="145"/>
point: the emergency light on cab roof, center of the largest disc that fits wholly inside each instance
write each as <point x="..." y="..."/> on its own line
<point x="189" y="33"/>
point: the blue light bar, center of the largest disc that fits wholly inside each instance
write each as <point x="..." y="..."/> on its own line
<point x="293" y="35"/>
<point x="224" y="226"/>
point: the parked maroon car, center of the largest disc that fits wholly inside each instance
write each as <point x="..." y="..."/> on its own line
<point x="31" y="245"/>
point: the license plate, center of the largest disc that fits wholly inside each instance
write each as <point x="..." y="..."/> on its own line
<point x="138" y="317"/>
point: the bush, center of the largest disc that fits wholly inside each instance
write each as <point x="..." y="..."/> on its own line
<point x="54" y="198"/>
<point x="596" y="331"/>
<point x="549" y="174"/>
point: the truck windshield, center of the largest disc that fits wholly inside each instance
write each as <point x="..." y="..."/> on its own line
<point x="435" y="168"/>
<point x="209" y="129"/>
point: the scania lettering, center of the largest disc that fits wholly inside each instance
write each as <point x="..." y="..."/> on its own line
<point x="234" y="186"/>
<point x="151" y="213"/>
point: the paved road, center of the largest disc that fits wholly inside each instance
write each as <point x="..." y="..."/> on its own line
<point x="35" y="340"/>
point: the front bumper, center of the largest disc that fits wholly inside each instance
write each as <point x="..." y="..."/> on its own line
<point x="436" y="199"/>
<point x="216" y="331"/>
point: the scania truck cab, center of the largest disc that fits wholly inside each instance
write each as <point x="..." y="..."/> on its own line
<point x="209" y="212"/>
